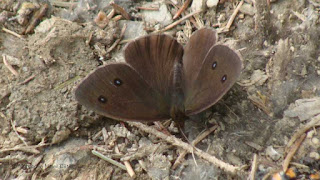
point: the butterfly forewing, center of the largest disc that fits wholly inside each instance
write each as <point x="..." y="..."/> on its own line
<point x="195" y="51"/>
<point x="153" y="57"/>
<point x="220" y="70"/>
<point x="118" y="91"/>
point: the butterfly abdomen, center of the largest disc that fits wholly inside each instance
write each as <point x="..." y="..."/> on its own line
<point x="177" y="106"/>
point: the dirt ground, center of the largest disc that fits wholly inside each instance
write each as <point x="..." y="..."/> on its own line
<point x="46" y="134"/>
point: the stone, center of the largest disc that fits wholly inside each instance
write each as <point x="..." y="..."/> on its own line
<point x="162" y="16"/>
<point x="247" y="9"/>
<point x="212" y="3"/>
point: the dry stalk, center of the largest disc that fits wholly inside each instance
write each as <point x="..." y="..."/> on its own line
<point x="177" y="142"/>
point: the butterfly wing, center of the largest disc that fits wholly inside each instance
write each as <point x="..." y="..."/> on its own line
<point x="219" y="71"/>
<point x="195" y="51"/>
<point x="154" y="57"/>
<point x="118" y="91"/>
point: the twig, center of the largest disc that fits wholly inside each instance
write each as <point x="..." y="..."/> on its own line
<point x="27" y="149"/>
<point x="286" y="161"/>
<point x="11" y="69"/>
<point x="27" y="80"/>
<point x="256" y="101"/>
<point x="177" y="142"/>
<point x="183" y="7"/>
<point x="12" y="33"/>
<point x="116" y="163"/>
<point x="161" y="128"/>
<point x="148" y="8"/>
<point x="178" y="21"/>
<point x="117" y="18"/>
<point x="38" y="15"/>
<point x="120" y="10"/>
<point x="62" y="4"/>
<point x="232" y="17"/>
<point x="262" y="22"/>
<point x="314" y="122"/>
<point x="253" y="167"/>
<point x="111" y="14"/>
<point x="15" y="130"/>
<point x="129" y="169"/>
<point x="123" y="30"/>
<point x="194" y="142"/>
<point x="126" y="41"/>
<point x="300" y="16"/>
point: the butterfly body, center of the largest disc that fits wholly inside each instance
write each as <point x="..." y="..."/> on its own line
<point x="161" y="79"/>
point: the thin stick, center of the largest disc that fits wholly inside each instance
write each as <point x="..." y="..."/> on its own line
<point x="254" y="167"/>
<point x="116" y="163"/>
<point x="314" y="122"/>
<point x="35" y="20"/>
<point x="233" y="16"/>
<point x="231" y="19"/>
<point x="148" y="8"/>
<point x="15" y="130"/>
<point x="120" y="10"/>
<point x="123" y="30"/>
<point x="27" y="80"/>
<point x="11" y="69"/>
<point x="183" y="7"/>
<point x="63" y="4"/>
<point x="12" y="33"/>
<point x="178" y="22"/>
<point x="129" y="169"/>
<point x="177" y="142"/>
<point x="27" y="149"/>
<point x="293" y="150"/>
<point x="111" y="14"/>
<point x="194" y="142"/>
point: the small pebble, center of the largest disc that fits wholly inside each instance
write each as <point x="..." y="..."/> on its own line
<point x="212" y="3"/>
<point x="314" y="155"/>
<point x="315" y="141"/>
<point x="272" y="153"/>
<point x="247" y="9"/>
<point x="310" y="134"/>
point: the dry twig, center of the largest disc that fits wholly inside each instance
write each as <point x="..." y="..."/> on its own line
<point x="36" y="18"/>
<point x="27" y="80"/>
<point x="232" y="17"/>
<point x="254" y="167"/>
<point x="11" y="69"/>
<point x="178" y="22"/>
<point x="177" y="142"/>
<point x="148" y="8"/>
<point x="116" y="163"/>
<point x="120" y="10"/>
<point x="292" y="151"/>
<point x="194" y="142"/>
<point x="129" y="169"/>
<point x="183" y="7"/>
<point x="12" y="33"/>
<point x="123" y="30"/>
<point x="314" y="122"/>
<point x="63" y="4"/>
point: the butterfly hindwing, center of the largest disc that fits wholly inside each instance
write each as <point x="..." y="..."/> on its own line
<point x="118" y="91"/>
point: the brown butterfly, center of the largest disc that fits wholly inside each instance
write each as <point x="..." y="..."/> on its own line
<point x="161" y="80"/>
